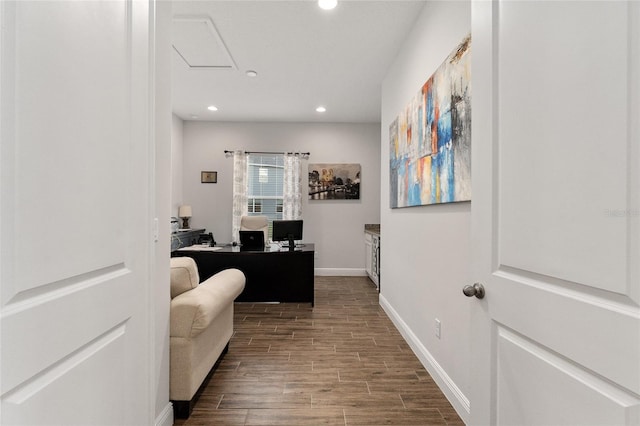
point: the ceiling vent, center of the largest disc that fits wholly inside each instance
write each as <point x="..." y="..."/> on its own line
<point x="199" y="44"/>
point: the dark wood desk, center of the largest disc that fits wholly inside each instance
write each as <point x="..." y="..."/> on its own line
<point x="272" y="276"/>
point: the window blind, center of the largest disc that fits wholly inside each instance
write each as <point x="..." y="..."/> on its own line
<point x="265" y="186"/>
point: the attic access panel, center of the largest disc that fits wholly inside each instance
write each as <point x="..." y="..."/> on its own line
<point x="199" y="44"/>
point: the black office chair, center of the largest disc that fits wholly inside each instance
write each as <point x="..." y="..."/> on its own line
<point x="206" y="239"/>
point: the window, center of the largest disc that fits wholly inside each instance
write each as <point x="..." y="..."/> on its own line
<point x="265" y="181"/>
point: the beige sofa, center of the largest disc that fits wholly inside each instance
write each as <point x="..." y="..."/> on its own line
<point x="201" y="326"/>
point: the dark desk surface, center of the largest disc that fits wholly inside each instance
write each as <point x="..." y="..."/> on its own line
<point x="228" y="248"/>
<point x="273" y="275"/>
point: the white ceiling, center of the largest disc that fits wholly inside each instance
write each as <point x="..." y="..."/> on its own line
<point x="304" y="57"/>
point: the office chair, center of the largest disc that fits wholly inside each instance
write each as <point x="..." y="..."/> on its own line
<point x="207" y="238"/>
<point x="255" y="223"/>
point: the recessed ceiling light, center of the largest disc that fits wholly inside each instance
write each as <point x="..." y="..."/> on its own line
<point x="251" y="73"/>
<point x="321" y="109"/>
<point x="194" y="117"/>
<point x="327" y="4"/>
<point x="212" y="108"/>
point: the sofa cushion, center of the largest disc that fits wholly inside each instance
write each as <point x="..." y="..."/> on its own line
<point x="194" y="311"/>
<point x="184" y="275"/>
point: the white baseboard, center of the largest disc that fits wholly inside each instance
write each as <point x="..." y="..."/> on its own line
<point x="340" y="272"/>
<point x="448" y="387"/>
<point x="165" y="418"/>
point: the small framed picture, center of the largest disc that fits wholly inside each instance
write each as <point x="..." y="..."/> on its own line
<point x="209" y="177"/>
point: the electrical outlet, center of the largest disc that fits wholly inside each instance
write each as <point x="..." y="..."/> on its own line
<point x="438" y="328"/>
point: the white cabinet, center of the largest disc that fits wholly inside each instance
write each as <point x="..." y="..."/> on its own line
<point x="375" y="260"/>
<point x="368" y="244"/>
<point x="372" y="256"/>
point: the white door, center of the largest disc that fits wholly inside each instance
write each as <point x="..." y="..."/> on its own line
<point x="75" y="206"/>
<point x="556" y="213"/>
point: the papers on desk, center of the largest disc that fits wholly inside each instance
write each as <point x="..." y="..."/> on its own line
<point x="200" y="247"/>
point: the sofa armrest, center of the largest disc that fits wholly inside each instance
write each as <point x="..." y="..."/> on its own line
<point x="193" y="311"/>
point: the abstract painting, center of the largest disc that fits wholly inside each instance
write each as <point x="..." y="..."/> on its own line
<point x="334" y="181"/>
<point x="430" y="140"/>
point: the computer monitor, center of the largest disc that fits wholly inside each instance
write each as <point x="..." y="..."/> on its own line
<point x="287" y="230"/>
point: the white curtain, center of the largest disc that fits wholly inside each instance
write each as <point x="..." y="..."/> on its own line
<point x="292" y="194"/>
<point x="240" y="188"/>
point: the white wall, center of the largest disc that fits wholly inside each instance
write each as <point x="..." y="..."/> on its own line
<point x="336" y="227"/>
<point x="425" y="259"/>
<point x="160" y="275"/>
<point x="177" y="127"/>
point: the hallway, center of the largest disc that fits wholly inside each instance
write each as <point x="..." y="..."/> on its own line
<point x="340" y="363"/>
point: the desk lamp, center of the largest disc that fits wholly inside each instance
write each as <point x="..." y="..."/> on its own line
<point x="185" y="213"/>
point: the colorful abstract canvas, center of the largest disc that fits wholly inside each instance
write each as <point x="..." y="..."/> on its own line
<point x="430" y="140"/>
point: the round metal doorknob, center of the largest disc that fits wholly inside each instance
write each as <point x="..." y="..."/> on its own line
<point x="476" y="290"/>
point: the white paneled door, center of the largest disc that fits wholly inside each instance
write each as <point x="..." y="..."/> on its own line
<point x="556" y="213"/>
<point x="75" y="208"/>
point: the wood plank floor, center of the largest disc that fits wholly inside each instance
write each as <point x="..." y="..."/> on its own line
<point x="340" y="363"/>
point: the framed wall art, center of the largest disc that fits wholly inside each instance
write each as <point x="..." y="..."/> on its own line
<point x="430" y="140"/>
<point x="334" y="181"/>
<point x="209" y="177"/>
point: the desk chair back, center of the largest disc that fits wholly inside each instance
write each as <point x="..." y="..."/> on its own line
<point x="255" y="223"/>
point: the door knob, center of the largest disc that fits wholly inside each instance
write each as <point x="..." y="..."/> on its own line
<point x="476" y="290"/>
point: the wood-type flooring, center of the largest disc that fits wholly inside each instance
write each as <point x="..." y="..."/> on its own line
<point x="340" y="363"/>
